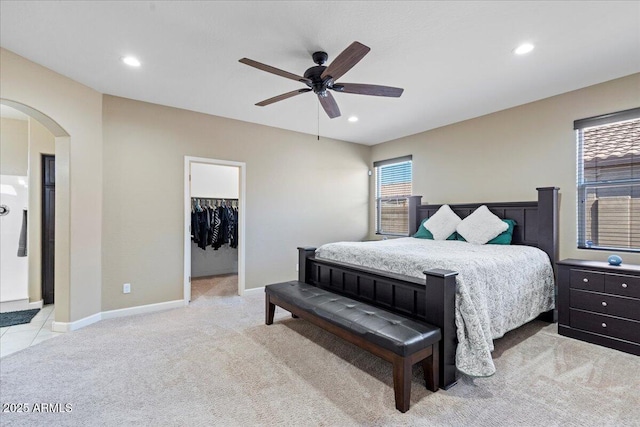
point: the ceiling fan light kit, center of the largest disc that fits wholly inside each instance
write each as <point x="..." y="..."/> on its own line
<point x="320" y="79"/>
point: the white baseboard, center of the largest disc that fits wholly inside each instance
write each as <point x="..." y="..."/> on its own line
<point x="18" y="305"/>
<point x="14" y="305"/>
<point x="112" y="314"/>
<point x="142" y="309"/>
<point x="72" y="326"/>
<point x="252" y="290"/>
<point x="36" y="304"/>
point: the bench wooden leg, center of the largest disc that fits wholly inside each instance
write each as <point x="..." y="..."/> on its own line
<point x="431" y="368"/>
<point x="402" y="383"/>
<point x="270" y="310"/>
<point x="402" y="366"/>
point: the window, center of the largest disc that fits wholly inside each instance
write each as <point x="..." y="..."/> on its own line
<point x="393" y="188"/>
<point x="609" y="181"/>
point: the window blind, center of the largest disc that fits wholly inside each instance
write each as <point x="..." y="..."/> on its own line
<point x="393" y="187"/>
<point x="609" y="181"/>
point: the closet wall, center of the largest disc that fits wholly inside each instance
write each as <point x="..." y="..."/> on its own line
<point x="214" y="182"/>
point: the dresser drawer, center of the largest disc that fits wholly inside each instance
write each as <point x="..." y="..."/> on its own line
<point x="606" y="325"/>
<point x="628" y="286"/>
<point x="589" y="280"/>
<point x="606" y="304"/>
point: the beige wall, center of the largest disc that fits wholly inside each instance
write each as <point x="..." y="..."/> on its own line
<point x="41" y="141"/>
<point x="124" y="223"/>
<point x="77" y="110"/>
<point x="504" y="156"/>
<point x="300" y="191"/>
<point x="13" y="147"/>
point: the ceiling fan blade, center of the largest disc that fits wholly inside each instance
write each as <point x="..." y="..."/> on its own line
<point x="281" y="97"/>
<point x="346" y="60"/>
<point x="330" y="105"/>
<point x="364" y="89"/>
<point x="274" y="70"/>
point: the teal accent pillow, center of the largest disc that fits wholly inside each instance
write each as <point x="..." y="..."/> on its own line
<point x="503" y="238"/>
<point x="423" y="233"/>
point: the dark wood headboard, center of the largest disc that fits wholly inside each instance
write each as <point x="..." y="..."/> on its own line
<point x="536" y="221"/>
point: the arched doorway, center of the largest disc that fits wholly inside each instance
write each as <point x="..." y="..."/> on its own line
<point x="62" y="217"/>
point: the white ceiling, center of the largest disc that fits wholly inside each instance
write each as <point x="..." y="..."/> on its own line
<point x="454" y="59"/>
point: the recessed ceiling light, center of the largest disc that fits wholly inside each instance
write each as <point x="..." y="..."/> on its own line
<point x="132" y="61"/>
<point x="523" y="48"/>
<point x="353" y="119"/>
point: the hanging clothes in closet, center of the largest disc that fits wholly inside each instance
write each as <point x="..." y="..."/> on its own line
<point x="214" y="222"/>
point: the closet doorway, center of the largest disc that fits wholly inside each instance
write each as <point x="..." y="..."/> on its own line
<point x="214" y="228"/>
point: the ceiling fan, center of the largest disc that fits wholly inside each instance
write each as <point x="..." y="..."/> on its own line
<point x="321" y="78"/>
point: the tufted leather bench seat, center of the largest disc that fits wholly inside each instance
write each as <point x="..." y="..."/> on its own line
<point x="399" y="340"/>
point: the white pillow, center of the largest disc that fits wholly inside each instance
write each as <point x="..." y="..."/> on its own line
<point x="442" y="223"/>
<point x="481" y="226"/>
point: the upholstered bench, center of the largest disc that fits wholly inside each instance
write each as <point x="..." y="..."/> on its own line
<point x="396" y="339"/>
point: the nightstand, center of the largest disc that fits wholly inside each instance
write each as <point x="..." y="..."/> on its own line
<point x="600" y="303"/>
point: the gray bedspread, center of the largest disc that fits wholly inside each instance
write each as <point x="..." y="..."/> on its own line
<point x="499" y="287"/>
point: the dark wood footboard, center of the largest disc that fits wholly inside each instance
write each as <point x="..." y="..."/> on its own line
<point x="432" y="300"/>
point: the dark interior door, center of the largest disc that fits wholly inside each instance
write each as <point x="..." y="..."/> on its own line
<point x="48" y="226"/>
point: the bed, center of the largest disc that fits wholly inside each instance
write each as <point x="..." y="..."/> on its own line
<point x="445" y="287"/>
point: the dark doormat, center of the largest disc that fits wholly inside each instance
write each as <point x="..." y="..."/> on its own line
<point x="17" y="317"/>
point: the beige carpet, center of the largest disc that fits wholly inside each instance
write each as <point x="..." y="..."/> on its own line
<point x="216" y="363"/>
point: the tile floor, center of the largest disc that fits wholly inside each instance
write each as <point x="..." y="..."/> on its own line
<point x="18" y="337"/>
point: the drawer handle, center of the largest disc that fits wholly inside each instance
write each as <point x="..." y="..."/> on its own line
<point x="604" y="303"/>
<point x="624" y="285"/>
<point x="604" y="325"/>
<point x="585" y="280"/>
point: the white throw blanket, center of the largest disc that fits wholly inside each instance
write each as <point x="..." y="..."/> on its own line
<point x="498" y="287"/>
